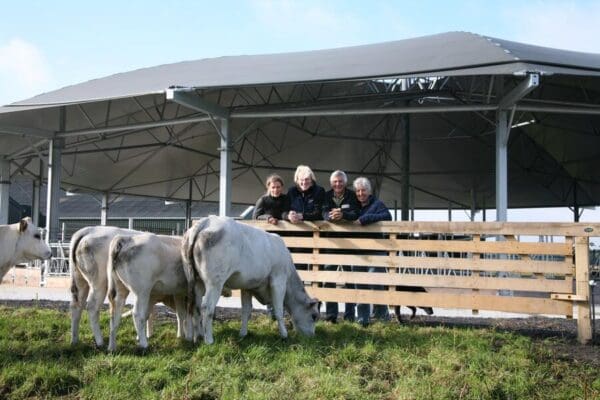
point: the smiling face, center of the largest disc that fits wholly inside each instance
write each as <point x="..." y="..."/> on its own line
<point x="304" y="182"/>
<point x="338" y="185"/>
<point x="275" y="188"/>
<point x="362" y="194"/>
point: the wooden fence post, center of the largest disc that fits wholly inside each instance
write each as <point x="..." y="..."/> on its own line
<point x="584" y="322"/>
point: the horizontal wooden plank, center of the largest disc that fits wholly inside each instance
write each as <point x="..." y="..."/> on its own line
<point x="440" y="281"/>
<point x="443" y="263"/>
<point x="450" y="246"/>
<point x="527" y="305"/>
<point x="584" y="229"/>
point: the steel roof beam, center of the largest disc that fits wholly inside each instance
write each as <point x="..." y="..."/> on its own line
<point x="22" y="131"/>
<point x="190" y="99"/>
<point x="521" y="90"/>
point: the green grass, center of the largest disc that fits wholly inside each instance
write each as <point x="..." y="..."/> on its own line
<point x="343" y="361"/>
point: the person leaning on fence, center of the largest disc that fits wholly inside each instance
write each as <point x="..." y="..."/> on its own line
<point x="274" y="205"/>
<point x="306" y="197"/>
<point x="306" y="203"/>
<point x="371" y="210"/>
<point x="340" y="204"/>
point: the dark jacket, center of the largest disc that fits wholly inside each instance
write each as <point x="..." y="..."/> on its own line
<point x="309" y="203"/>
<point x="349" y="206"/>
<point x="374" y="211"/>
<point x="268" y="206"/>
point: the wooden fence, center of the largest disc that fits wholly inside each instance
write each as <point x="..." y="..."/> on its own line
<point x="532" y="268"/>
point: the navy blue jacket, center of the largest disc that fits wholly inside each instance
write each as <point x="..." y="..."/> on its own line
<point x="374" y="211"/>
<point x="349" y="205"/>
<point x="309" y="203"/>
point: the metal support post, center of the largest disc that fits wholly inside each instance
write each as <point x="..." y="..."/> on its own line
<point x="4" y="190"/>
<point x="502" y="132"/>
<point x="104" y="209"/>
<point x="35" y="201"/>
<point x="225" y="171"/>
<point x="405" y="171"/>
<point x="188" y="208"/>
<point x="53" y="195"/>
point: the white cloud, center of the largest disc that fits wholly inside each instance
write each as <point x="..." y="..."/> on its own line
<point x="564" y="25"/>
<point x="23" y="70"/>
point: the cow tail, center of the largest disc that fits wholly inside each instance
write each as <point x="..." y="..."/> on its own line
<point x="116" y="246"/>
<point x="75" y="240"/>
<point x="189" y="263"/>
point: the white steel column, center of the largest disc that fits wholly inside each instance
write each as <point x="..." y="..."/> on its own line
<point x="53" y="195"/>
<point x="502" y="131"/>
<point x="4" y="191"/>
<point x="188" y="208"/>
<point x="35" y="202"/>
<point x="104" y="209"/>
<point x="225" y="171"/>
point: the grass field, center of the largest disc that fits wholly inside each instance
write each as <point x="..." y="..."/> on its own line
<point x="343" y="361"/>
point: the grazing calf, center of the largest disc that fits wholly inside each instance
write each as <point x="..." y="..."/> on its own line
<point x="224" y="253"/>
<point x="21" y="242"/>
<point x="150" y="267"/>
<point x="415" y="289"/>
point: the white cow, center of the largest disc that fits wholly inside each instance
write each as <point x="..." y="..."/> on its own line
<point x="150" y="267"/>
<point x="225" y="253"/>
<point x="21" y="242"/>
<point x="88" y="258"/>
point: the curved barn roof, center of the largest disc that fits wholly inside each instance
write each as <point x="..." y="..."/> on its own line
<point x="447" y="54"/>
<point x="337" y="108"/>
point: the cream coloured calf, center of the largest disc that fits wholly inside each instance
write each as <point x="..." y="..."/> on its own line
<point x="21" y="242"/>
<point x="223" y="253"/>
<point x="150" y="267"/>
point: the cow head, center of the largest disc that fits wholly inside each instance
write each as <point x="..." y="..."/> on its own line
<point x="31" y="246"/>
<point x="305" y="315"/>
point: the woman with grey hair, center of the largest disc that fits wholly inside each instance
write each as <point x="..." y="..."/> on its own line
<point x="371" y="210"/>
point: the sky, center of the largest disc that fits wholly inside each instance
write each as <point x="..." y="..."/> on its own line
<point x="46" y="45"/>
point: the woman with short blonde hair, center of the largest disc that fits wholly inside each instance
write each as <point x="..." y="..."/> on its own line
<point x="306" y="197"/>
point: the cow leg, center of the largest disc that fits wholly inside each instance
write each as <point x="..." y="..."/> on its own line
<point x="196" y="314"/>
<point x="95" y="301"/>
<point x="246" y="311"/>
<point x="141" y="311"/>
<point x="116" y="297"/>
<point x="413" y="310"/>
<point x="79" y="293"/>
<point x="180" y="311"/>
<point x="209" y="303"/>
<point x="277" y="294"/>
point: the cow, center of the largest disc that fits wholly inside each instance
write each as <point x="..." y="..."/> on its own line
<point x="150" y="267"/>
<point x="224" y="253"/>
<point x="88" y="259"/>
<point x="21" y="242"/>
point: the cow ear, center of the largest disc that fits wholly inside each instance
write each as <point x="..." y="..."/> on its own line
<point x="313" y="302"/>
<point x="23" y="225"/>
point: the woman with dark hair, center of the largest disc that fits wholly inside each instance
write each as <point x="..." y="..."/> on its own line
<point x="274" y="205"/>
